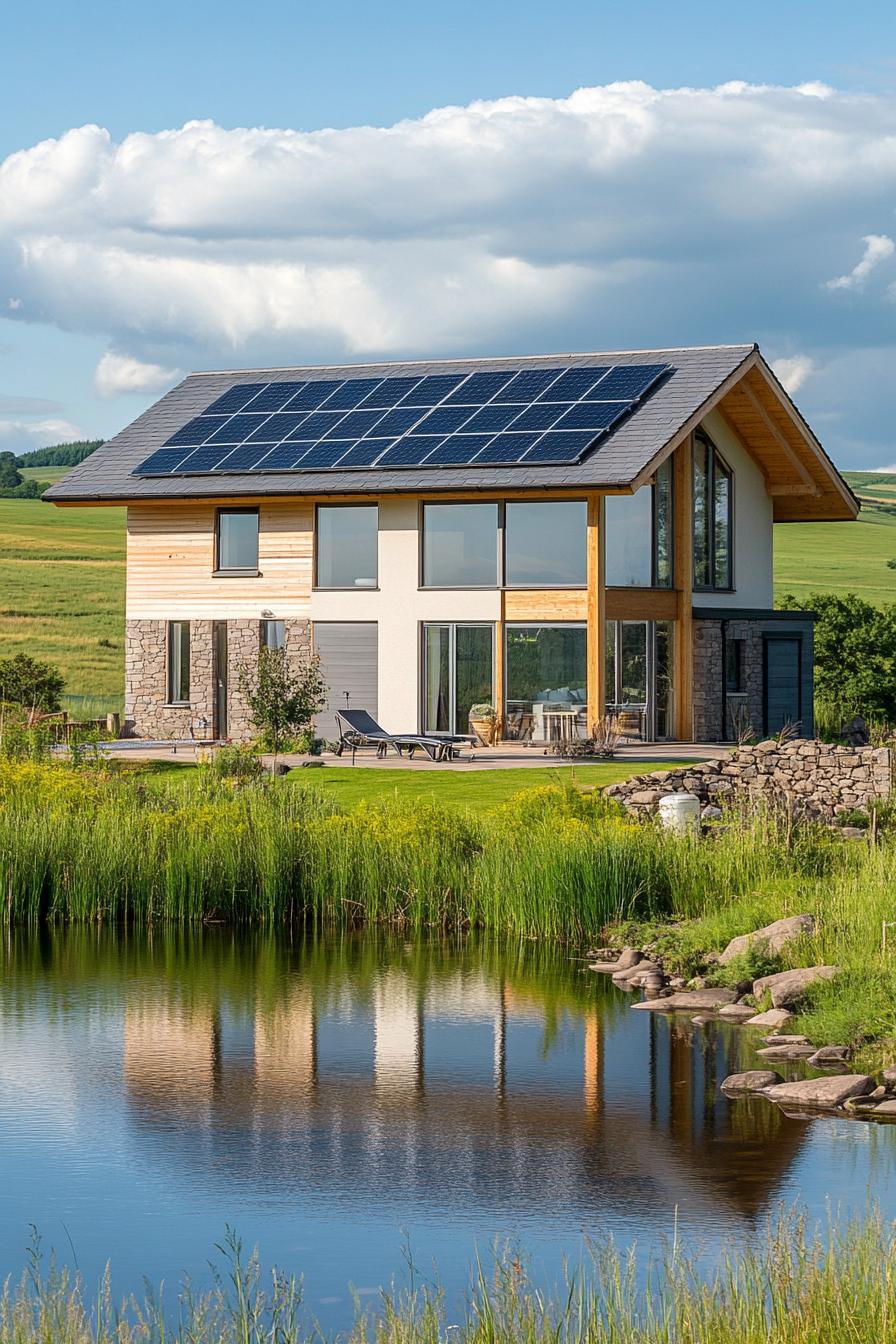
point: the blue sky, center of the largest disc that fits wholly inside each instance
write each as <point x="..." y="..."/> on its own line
<point x="522" y="220"/>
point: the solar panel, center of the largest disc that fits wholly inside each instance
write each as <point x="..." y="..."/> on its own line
<point x="311" y="396"/>
<point x="235" y="399"/>
<point x="273" y="397"/>
<point x="237" y="428"/>
<point x="479" y="387"/>
<point x="350" y="394"/>
<point x="525" y="416"/>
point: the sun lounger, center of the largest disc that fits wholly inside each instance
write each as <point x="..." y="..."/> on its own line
<point x="360" y="729"/>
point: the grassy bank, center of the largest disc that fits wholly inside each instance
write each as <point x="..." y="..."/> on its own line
<point x="104" y="844"/>
<point x="794" y="1287"/>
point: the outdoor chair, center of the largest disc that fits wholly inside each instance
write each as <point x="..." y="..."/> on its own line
<point x="361" y="729"/>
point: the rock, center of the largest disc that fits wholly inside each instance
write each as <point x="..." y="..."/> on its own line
<point x="787" y="1051"/>
<point x="754" y="1080"/>
<point x="830" y="1054"/>
<point x="700" y="999"/>
<point x="821" y="1093"/>
<point x="852" y="833"/>
<point x="788" y="987"/>
<point x="700" y="1020"/>
<point x="889" y="1076"/>
<point x="679" y="982"/>
<point x="698" y="982"/>
<point x="736" y="1012"/>
<point x="886" y="1108"/>
<point x="779" y="1039"/>
<point x="710" y="813"/>
<point x="775" y="936"/>
<point x="775" y="1017"/>
<point x="605" y="967"/>
<point x="628" y="957"/>
<point x="313" y="765"/>
<point x="878" y="1094"/>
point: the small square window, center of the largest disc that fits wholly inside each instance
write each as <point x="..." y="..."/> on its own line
<point x="273" y="634"/>
<point x="236" y="543"/>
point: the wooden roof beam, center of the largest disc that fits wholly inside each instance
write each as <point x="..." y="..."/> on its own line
<point x="779" y="439"/>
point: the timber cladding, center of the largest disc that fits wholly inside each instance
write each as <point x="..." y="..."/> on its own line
<point x="171" y="559"/>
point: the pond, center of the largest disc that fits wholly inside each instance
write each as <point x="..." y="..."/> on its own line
<point x="346" y="1099"/>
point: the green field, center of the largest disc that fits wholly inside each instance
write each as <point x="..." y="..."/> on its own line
<point x="62" y="594"/>
<point x="62" y="577"/>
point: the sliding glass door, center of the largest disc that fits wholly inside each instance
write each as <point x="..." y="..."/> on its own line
<point x="458" y="672"/>
<point x="639" y="677"/>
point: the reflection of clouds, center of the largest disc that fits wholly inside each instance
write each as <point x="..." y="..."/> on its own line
<point x="39" y="1075"/>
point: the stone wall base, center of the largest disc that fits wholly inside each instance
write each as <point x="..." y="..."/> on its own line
<point x="814" y="778"/>
<point x="146" y="711"/>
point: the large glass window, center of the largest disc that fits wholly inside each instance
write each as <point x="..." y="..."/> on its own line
<point x="713" y="500"/>
<point x="639" y="660"/>
<point x="460" y="545"/>
<point x="347" y="536"/>
<point x="237" y="541"/>
<point x="545" y="544"/>
<point x="639" y="535"/>
<point x="458" y="672"/>
<point x="178" y="662"/>
<point x="545" y="681"/>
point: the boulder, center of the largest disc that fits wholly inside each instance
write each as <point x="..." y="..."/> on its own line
<point x="889" y="1076"/>
<point x="821" y="1093"/>
<point x="628" y="957"/>
<point x="775" y="936"/>
<point x="788" y="987"/>
<point x="736" y="1012"/>
<point x="787" y="1051"/>
<point x="777" y="1038"/>
<point x="605" y="967"/>
<point x="830" y="1054"/>
<point x="699" y="1000"/>
<point x="886" y="1108"/>
<point x="754" y="1080"/>
<point x="775" y="1017"/>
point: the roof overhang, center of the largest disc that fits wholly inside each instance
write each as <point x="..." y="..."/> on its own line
<point x="800" y="478"/>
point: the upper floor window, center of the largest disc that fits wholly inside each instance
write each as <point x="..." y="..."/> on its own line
<point x="638" y="529"/>
<point x="460" y="545"/>
<point x="236" y="541"/>
<point x="347" y="538"/>
<point x="545" y="544"/>
<point x="713" y="512"/>
<point x="178" y="662"/>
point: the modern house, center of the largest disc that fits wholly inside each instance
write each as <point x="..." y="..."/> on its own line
<point x="561" y="536"/>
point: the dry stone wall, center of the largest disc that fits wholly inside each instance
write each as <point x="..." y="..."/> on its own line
<point x="815" y="778"/>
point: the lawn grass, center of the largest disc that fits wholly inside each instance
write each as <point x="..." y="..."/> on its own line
<point x="62" y="593"/>
<point x="478" y="790"/>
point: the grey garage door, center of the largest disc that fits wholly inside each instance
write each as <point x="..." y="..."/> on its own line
<point x="348" y="651"/>
<point x="782" y="683"/>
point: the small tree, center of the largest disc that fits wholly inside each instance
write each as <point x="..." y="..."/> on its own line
<point x="283" y="697"/>
<point x="26" y="681"/>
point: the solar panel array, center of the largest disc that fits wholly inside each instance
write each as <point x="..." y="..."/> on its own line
<point x="517" y="417"/>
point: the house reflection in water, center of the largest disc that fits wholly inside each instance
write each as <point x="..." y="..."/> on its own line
<point x="455" y="1088"/>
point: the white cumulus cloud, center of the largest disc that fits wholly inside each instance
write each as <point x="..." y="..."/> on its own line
<point x="117" y="374"/>
<point x="20" y="436"/>
<point x="620" y="216"/>
<point x="793" y="370"/>
<point x="878" y="247"/>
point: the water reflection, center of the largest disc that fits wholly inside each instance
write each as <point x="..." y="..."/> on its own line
<point x="332" y="1090"/>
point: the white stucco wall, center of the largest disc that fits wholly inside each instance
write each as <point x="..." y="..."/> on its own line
<point x="753" y="526"/>
<point x="398" y="607"/>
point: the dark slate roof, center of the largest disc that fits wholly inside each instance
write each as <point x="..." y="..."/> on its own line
<point x="618" y="460"/>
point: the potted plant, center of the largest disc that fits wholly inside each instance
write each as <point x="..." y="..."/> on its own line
<point x="484" y="723"/>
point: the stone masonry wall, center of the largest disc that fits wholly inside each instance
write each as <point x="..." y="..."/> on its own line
<point x="146" y="677"/>
<point x="815" y="778"/>
<point x="709" y="678"/>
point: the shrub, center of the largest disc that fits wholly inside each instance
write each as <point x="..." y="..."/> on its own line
<point x="283" y="695"/>
<point x="238" y="762"/>
<point x="26" y="681"/>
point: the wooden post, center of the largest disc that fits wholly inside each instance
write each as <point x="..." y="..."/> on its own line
<point x="597" y="610"/>
<point x="683" y="544"/>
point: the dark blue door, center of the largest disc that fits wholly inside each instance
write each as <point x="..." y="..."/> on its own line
<point x="783" y="701"/>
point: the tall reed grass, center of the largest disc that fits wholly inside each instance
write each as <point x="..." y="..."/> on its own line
<point x="794" y="1286"/>
<point x="97" y="843"/>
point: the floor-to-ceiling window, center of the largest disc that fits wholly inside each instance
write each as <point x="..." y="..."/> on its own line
<point x="545" y="681"/>
<point x="458" y="672"/>
<point x="638" y="658"/>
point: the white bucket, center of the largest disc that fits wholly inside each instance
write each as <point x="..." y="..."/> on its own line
<point x="680" y="812"/>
